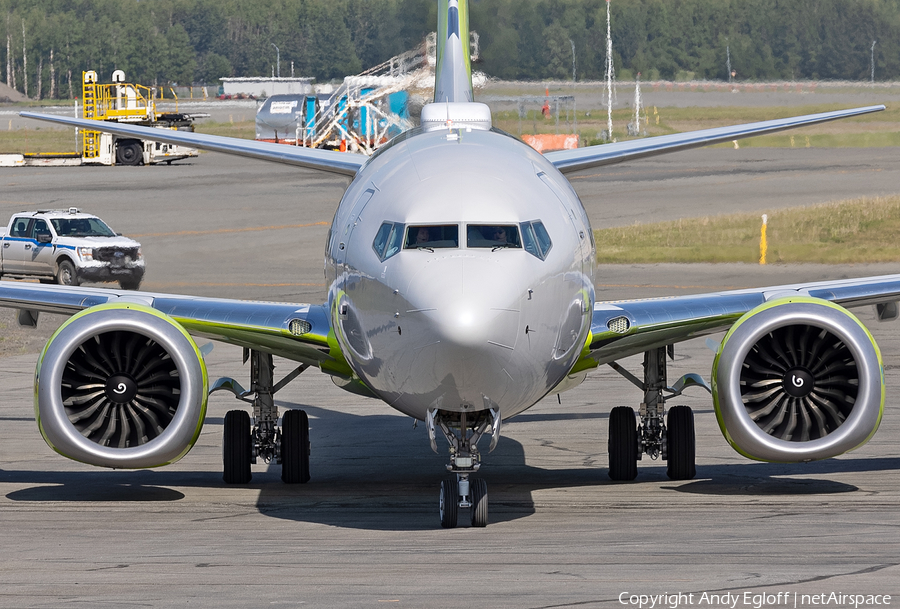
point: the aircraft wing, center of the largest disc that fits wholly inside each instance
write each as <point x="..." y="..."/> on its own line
<point x="623" y="328"/>
<point x="300" y="332"/>
<point x="567" y="161"/>
<point x="344" y="163"/>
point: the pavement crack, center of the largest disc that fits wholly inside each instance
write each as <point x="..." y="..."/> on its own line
<point x="820" y="578"/>
<point x="110" y="567"/>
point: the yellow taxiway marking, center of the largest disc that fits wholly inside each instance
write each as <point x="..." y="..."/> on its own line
<point x="236" y="284"/>
<point x="219" y="231"/>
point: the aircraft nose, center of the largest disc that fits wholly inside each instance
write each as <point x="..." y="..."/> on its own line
<point x="462" y="327"/>
<point x="471" y="303"/>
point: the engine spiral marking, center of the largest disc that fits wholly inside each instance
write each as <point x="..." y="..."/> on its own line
<point x="799" y="383"/>
<point x="120" y="389"/>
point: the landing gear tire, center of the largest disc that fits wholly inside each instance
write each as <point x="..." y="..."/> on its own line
<point x="66" y="274"/>
<point x="681" y="443"/>
<point x="479" y="497"/>
<point x="449" y="503"/>
<point x="623" y="447"/>
<point x="130" y="153"/>
<point x="236" y="448"/>
<point x="295" y="447"/>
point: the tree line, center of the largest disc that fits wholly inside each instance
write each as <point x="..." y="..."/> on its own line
<point x="48" y="43"/>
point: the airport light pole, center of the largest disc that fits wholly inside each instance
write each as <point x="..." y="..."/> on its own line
<point x="277" y="60"/>
<point x="728" y="60"/>
<point x="572" y="42"/>
<point x="873" y="61"/>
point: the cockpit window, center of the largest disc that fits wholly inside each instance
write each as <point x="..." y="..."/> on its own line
<point x="432" y="237"/>
<point x="381" y="238"/>
<point x="535" y="239"/>
<point x="493" y="235"/>
<point x="388" y="239"/>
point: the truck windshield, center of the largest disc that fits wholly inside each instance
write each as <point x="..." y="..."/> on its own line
<point x="82" y="227"/>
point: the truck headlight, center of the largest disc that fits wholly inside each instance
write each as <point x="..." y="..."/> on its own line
<point x="86" y="253"/>
<point x="140" y="253"/>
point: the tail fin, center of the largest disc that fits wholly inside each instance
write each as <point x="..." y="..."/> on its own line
<point x="453" y="70"/>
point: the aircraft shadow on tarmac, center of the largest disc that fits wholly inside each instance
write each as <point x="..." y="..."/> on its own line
<point x="367" y="473"/>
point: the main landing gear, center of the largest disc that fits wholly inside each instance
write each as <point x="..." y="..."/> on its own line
<point x="659" y="434"/>
<point x="459" y="490"/>
<point x="246" y="440"/>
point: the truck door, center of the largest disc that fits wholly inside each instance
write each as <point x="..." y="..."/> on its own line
<point x="40" y="260"/>
<point x="16" y="245"/>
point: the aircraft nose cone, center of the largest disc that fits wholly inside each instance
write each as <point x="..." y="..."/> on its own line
<point x="464" y="324"/>
<point x="471" y="303"/>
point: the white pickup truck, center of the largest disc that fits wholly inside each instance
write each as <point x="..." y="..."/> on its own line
<point x="68" y="247"/>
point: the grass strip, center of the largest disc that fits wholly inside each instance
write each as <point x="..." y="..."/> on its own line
<point x="874" y="130"/>
<point x="842" y="232"/>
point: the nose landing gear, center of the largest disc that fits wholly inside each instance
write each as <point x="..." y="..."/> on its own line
<point x="462" y="431"/>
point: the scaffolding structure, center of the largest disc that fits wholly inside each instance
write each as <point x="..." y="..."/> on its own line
<point x="367" y="109"/>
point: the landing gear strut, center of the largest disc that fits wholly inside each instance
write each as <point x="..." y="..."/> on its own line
<point x="659" y="434"/>
<point x="462" y="431"/>
<point x="247" y="440"/>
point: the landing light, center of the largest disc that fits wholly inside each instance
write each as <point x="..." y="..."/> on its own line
<point x="619" y="325"/>
<point x="299" y="327"/>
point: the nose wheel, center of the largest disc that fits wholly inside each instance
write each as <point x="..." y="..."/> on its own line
<point x="461" y="492"/>
<point x="479" y="497"/>
<point x="462" y="431"/>
<point x="449" y="502"/>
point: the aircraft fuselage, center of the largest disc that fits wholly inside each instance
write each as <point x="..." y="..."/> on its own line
<point x="467" y="318"/>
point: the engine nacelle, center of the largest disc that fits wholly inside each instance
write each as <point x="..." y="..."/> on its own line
<point x="798" y="379"/>
<point x="122" y="386"/>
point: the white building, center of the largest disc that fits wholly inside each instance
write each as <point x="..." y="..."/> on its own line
<point x="260" y="86"/>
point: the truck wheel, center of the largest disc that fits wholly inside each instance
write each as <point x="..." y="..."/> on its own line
<point x="131" y="283"/>
<point x="129" y="153"/>
<point x="66" y="274"/>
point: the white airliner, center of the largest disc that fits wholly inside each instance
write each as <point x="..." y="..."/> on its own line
<point x="460" y="272"/>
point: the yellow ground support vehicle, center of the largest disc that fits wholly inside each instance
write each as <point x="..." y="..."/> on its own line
<point x="124" y="102"/>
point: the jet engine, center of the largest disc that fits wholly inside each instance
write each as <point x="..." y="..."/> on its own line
<point x="122" y="386"/>
<point x="798" y="379"/>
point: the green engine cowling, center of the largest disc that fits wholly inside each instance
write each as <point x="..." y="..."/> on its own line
<point x="798" y="379"/>
<point x="121" y="386"/>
